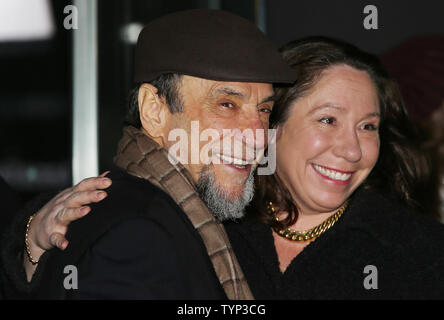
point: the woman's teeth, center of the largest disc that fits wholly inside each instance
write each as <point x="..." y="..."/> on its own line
<point x="332" y="174"/>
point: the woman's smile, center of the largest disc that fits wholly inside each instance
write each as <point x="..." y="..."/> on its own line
<point x="339" y="177"/>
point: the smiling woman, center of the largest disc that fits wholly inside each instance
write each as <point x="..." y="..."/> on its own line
<point x="347" y="173"/>
<point x="329" y="144"/>
<point x="343" y="116"/>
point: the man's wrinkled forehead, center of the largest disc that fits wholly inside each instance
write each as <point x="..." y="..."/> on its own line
<point x="247" y="92"/>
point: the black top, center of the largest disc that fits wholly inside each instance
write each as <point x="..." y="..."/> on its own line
<point x="11" y="203"/>
<point x="406" y="250"/>
<point x="135" y="244"/>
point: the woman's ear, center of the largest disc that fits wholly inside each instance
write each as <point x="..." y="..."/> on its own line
<point x="153" y="111"/>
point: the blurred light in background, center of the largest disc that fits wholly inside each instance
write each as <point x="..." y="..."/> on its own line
<point x="26" y="20"/>
<point x="85" y="90"/>
<point x="130" y="32"/>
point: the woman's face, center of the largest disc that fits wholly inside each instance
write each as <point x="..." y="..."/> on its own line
<point x="330" y="142"/>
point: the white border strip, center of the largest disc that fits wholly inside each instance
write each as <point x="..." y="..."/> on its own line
<point x="85" y="139"/>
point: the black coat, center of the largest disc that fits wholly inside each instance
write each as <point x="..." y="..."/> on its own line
<point x="407" y="250"/>
<point x="135" y="244"/>
<point x="11" y="203"/>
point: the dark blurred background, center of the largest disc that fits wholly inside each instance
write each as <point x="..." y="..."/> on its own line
<point x="36" y="73"/>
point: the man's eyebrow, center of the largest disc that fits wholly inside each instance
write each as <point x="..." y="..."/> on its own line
<point x="232" y="92"/>
<point x="229" y="92"/>
<point x="268" y="99"/>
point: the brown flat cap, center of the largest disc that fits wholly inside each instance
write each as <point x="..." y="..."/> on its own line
<point x="209" y="44"/>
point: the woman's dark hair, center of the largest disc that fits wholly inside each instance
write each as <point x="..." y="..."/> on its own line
<point x="167" y="85"/>
<point x="401" y="171"/>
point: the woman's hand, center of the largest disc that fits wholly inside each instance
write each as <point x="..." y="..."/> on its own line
<point x="50" y="224"/>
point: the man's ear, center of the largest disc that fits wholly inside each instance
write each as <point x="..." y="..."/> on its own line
<point x="153" y="110"/>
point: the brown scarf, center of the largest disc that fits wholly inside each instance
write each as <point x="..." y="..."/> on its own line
<point x="142" y="157"/>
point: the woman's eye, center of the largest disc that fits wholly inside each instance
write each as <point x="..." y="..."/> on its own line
<point x="370" y="127"/>
<point x="327" y="120"/>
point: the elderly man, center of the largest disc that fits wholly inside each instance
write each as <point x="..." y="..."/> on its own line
<point x="158" y="233"/>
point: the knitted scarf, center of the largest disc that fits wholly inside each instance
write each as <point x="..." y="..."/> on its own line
<point x="142" y="157"/>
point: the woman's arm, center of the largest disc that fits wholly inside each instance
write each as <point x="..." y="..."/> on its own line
<point x="49" y="225"/>
<point x="46" y="230"/>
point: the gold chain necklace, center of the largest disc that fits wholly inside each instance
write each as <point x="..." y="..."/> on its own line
<point x="309" y="234"/>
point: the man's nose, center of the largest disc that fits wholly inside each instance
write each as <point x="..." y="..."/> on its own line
<point x="347" y="146"/>
<point x="253" y="130"/>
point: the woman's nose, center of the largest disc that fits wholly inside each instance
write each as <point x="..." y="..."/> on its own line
<point x="347" y="146"/>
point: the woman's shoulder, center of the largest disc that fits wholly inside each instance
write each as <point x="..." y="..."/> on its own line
<point x="394" y="224"/>
<point x="395" y="214"/>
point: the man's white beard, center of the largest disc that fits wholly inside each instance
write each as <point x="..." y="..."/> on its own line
<point x="217" y="199"/>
